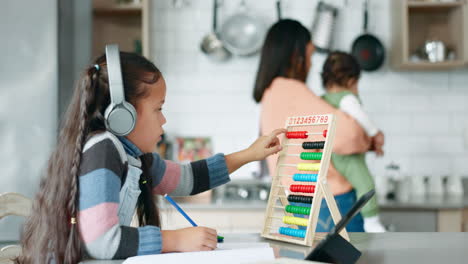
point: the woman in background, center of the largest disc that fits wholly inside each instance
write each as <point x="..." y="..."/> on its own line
<point x="281" y="91"/>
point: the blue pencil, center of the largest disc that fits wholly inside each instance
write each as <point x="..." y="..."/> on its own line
<point x="169" y="199"/>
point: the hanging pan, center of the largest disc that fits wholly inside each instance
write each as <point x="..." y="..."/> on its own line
<point x="367" y="49"/>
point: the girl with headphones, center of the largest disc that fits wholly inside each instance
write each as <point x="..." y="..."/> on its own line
<point x="102" y="171"/>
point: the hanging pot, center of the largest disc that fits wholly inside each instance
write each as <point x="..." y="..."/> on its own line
<point x="242" y="33"/>
<point x="367" y="49"/>
<point x="323" y="26"/>
<point x="211" y="45"/>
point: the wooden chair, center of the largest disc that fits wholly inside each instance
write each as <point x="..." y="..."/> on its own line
<point x="13" y="204"/>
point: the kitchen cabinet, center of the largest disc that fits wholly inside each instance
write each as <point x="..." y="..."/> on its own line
<point x="417" y="21"/>
<point x="465" y="220"/>
<point x="122" y="22"/>
<point x="409" y="220"/>
<point x="424" y="219"/>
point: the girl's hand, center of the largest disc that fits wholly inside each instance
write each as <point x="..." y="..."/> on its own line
<point x="262" y="147"/>
<point x="189" y="239"/>
<point x="265" y="146"/>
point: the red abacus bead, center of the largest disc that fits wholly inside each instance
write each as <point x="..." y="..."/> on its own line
<point x="296" y="134"/>
<point x="302" y="188"/>
<point x="325" y="133"/>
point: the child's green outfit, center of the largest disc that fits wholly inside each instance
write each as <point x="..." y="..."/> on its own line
<point x="353" y="167"/>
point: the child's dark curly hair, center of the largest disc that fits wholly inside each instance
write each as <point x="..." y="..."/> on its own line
<point x="339" y="69"/>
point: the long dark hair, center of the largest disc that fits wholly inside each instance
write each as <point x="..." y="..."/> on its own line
<point x="340" y="68"/>
<point x="283" y="55"/>
<point x="49" y="233"/>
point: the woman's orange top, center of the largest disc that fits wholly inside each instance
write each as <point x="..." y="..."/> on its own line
<point x="289" y="97"/>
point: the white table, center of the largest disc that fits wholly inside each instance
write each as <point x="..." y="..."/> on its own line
<point x="376" y="248"/>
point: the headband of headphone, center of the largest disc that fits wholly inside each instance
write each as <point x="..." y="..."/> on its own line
<point x="120" y="116"/>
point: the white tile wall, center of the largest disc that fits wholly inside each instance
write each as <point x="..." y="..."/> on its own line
<point x="423" y="114"/>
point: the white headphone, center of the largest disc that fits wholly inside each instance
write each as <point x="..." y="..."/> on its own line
<point x="120" y="116"/>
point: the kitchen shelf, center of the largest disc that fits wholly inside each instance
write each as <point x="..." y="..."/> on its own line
<point x="426" y="65"/>
<point x="122" y="24"/>
<point x="415" y="22"/>
<point x="118" y="10"/>
<point x="434" y="4"/>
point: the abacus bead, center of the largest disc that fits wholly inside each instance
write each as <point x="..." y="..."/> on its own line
<point x="313" y="145"/>
<point x="300" y="199"/>
<point x="296" y="134"/>
<point x="297" y="209"/>
<point x="295" y="220"/>
<point x="305" y="177"/>
<point x="308" y="166"/>
<point x="292" y="232"/>
<point x="311" y="155"/>
<point x="302" y="188"/>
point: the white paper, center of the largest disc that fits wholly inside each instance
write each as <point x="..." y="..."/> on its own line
<point x="233" y="256"/>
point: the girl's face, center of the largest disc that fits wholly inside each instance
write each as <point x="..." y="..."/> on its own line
<point x="150" y="119"/>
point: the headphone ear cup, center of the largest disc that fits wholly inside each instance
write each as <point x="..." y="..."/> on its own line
<point x="132" y="112"/>
<point x="120" y="119"/>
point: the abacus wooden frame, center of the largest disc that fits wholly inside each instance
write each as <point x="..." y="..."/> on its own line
<point x="322" y="189"/>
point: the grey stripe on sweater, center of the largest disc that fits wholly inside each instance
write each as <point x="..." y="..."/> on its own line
<point x="185" y="186"/>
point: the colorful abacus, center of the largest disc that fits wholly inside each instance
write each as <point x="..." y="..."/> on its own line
<point x="283" y="220"/>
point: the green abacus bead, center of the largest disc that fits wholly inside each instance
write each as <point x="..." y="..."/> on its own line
<point x="297" y="209"/>
<point x="311" y="155"/>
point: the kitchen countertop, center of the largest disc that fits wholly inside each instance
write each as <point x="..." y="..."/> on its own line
<point x="412" y="202"/>
<point x="377" y="248"/>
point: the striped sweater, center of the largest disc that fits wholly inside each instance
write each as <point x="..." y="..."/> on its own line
<point x="109" y="189"/>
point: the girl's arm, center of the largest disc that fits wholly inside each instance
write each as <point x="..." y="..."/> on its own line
<point x="188" y="179"/>
<point x="263" y="147"/>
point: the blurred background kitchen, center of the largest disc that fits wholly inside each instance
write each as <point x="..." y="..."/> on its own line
<point x="419" y="96"/>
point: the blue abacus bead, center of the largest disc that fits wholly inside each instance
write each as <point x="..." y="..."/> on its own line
<point x="292" y="232"/>
<point x="305" y="177"/>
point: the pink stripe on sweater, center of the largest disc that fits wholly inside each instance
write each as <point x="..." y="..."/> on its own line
<point x="97" y="220"/>
<point x="170" y="180"/>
